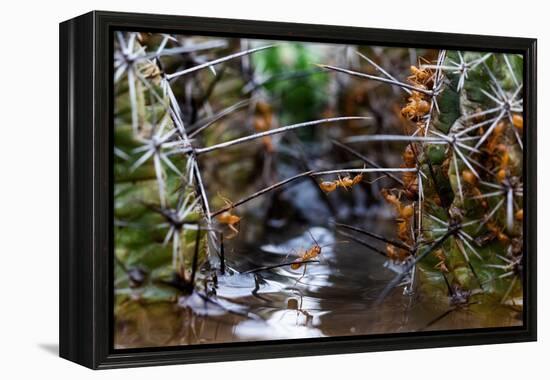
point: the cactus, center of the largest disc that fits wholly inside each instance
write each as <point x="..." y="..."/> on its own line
<point x="480" y="171"/>
<point x="156" y="212"/>
<point x="456" y="196"/>
<point x="464" y="237"/>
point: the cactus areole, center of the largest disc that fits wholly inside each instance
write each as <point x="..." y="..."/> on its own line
<point x="237" y="189"/>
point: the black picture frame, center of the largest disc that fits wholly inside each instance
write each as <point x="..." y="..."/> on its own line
<point x="86" y="244"/>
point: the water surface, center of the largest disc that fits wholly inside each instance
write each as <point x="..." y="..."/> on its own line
<point x="333" y="297"/>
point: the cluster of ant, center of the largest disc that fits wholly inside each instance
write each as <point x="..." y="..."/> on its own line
<point x="499" y="171"/>
<point x="418" y="103"/>
<point x="416" y="108"/>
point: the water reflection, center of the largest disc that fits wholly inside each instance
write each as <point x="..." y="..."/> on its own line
<point x="332" y="297"/>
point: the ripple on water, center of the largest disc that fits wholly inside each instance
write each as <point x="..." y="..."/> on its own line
<point x="332" y="297"/>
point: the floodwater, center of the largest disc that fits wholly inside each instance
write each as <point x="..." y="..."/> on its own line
<point x="333" y="297"/>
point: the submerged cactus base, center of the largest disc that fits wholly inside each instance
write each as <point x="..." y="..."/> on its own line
<point x="274" y="191"/>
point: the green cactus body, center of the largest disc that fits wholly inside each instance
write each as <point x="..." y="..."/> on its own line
<point x="483" y="258"/>
<point x="141" y="227"/>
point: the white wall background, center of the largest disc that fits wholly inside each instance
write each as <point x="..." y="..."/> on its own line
<point x="29" y="187"/>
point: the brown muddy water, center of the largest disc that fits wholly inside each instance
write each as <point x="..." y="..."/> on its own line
<point x="335" y="297"/>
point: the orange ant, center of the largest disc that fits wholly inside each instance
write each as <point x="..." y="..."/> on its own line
<point x="495" y="145"/>
<point x="494" y="140"/>
<point x="410" y="179"/>
<point x="440" y="255"/>
<point x="263" y="120"/>
<point x="403" y="211"/>
<point x="228" y="218"/>
<point x="469" y="177"/>
<point x="419" y="76"/>
<point x="347" y="183"/>
<point x="409" y="156"/>
<point x="478" y="194"/>
<point x="504" y="162"/>
<point x="328" y="186"/>
<point x="396" y="254"/>
<point x="404" y="214"/>
<point x="416" y="106"/>
<point x="307" y="255"/>
<point x="517" y="121"/>
<point x="497" y="232"/>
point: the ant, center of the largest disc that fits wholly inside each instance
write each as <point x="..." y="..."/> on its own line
<point x="469" y="177"/>
<point x="471" y="182"/>
<point x="440" y="255"/>
<point x="504" y="162"/>
<point x="517" y="121"/>
<point x="263" y="121"/>
<point x="328" y="186"/>
<point x="497" y="232"/>
<point x="419" y="76"/>
<point x="228" y="218"/>
<point x="306" y="256"/>
<point x="416" y="107"/>
<point x="396" y="254"/>
<point x="496" y="137"/>
<point x="499" y="152"/>
<point x="410" y="179"/>
<point x="404" y="213"/>
<point x="347" y="183"/>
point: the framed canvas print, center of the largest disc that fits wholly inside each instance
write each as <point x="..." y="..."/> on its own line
<point x="237" y="189"/>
